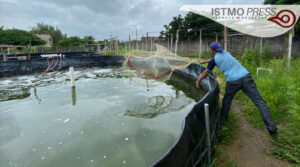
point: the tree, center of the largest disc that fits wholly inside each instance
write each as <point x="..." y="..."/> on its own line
<point x="54" y="32"/>
<point x="88" y="40"/>
<point x="19" y="37"/>
<point x="189" y="26"/>
<point x="71" y="41"/>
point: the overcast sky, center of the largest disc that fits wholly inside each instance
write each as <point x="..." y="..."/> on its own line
<point x="99" y="18"/>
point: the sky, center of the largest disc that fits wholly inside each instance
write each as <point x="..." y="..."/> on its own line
<point x="99" y="18"/>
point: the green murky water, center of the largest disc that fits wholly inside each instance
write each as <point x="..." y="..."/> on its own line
<point x="108" y="120"/>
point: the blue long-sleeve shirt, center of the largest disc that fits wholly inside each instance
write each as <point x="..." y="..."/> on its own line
<point x="231" y="68"/>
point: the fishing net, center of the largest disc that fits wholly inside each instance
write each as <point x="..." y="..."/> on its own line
<point x="152" y="68"/>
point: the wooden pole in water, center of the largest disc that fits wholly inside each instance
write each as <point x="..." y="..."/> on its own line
<point x="72" y="78"/>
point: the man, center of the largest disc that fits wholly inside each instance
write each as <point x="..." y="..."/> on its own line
<point x="238" y="78"/>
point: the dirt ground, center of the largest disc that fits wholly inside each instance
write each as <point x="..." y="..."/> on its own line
<point x="251" y="146"/>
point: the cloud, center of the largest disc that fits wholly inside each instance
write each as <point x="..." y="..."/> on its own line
<point x="99" y="18"/>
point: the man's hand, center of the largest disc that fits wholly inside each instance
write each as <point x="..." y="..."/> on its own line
<point x="203" y="75"/>
<point x="197" y="84"/>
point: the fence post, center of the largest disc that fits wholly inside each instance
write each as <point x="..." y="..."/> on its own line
<point x="176" y="43"/>
<point x="225" y="38"/>
<point x="200" y="47"/>
<point x="207" y="131"/>
<point x="290" y="48"/>
<point x="147" y="41"/>
<point x="261" y="45"/>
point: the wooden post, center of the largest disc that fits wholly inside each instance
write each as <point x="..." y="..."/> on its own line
<point x="117" y="46"/>
<point x="129" y="42"/>
<point x="225" y="38"/>
<point x="290" y="48"/>
<point x="176" y="43"/>
<point x="168" y="44"/>
<point x="136" y="38"/>
<point x="171" y="42"/>
<point x="104" y="47"/>
<point x="29" y="47"/>
<point x="151" y="44"/>
<point x="217" y="37"/>
<point x="261" y="46"/>
<point x="72" y="78"/>
<point x="147" y="41"/>
<point x="200" y="44"/>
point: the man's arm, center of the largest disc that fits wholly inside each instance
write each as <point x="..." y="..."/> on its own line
<point x="202" y="76"/>
<point x="209" y="68"/>
<point x="204" y="62"/>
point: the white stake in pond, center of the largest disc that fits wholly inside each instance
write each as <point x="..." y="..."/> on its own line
<point x="72" y="78"/>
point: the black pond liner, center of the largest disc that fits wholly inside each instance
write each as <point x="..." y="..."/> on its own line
<point x="190" y="149"/>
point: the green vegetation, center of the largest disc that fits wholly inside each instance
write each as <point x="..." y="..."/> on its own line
<point x="76" y="41"/>
<point x="226" y="136"/>
<point x="19" y="37"/>
<point x="70" y="41"/>
<point x="188" y="27"/>
<point x="281" y="91"/>
<point x="54" y="32"/>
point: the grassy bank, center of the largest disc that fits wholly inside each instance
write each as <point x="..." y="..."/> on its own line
<point x="281" y="91"/>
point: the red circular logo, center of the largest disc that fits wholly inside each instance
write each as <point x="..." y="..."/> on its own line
<point x="284" y="18"/>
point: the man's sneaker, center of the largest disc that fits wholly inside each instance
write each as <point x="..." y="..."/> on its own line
<point x="273" y="133"/>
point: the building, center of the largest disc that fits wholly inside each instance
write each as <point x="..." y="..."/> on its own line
<point x="47" y="38"/>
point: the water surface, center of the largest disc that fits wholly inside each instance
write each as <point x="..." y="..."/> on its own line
<point x="107" y="120"/>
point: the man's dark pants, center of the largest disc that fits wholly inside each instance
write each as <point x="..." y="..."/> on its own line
<point x="247" y="85"/>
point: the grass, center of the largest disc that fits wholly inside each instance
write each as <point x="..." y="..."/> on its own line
<point x="281" y="91"/>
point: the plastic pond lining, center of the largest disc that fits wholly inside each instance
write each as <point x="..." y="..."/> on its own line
<point x="190" y="149"/>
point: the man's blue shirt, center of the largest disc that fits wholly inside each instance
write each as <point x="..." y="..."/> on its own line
<point x="231" y="68"/>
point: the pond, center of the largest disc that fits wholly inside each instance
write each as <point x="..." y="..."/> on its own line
<point x="107" y="120"/>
